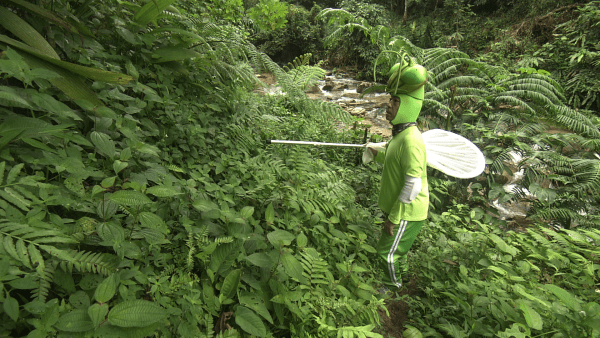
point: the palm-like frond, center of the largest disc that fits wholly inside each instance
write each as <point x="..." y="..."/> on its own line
<point x="577" y="122"/>
<point x="462" y="81"/>
<point x="587" y="173"/>
<point x="336" y="16"/>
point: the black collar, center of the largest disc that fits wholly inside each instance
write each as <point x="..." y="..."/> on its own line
<point x="398" y="128"/>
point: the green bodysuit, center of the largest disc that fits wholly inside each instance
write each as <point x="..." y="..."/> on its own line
<point x="404" y="155"/>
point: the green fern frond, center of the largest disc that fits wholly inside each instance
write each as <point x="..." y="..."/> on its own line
<point x="587" y="173"/>
<point x="43" y="280"/>
<point x="531" y="129"/>
<point x="36" y="235"/>
<point x="536" y="84"/>
<point x="380" y="35"/>
<point x="436" y="56"/>
<point x="81" y="260"/>
<point x="125" y="210"/>
<point x="315" y="268"/>
<point x="577" y="122"/>
<point x="557" y="213"/>
<point x="336" y="16"/>
<point x="536" y="97"/>
<point x="460" y="81"/>
<point x="516" y="103"/>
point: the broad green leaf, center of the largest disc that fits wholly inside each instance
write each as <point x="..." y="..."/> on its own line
<point x="270" y="213"/>
<point x="255" y="302"/>
<point x="108" y="182"/>
<point x="11" y="307"/>
<point x="249" y="321"/>
<point x="25" y="283"/>
<point x="118" y="166"/>
<point x="46" y="14"/>
<point x="280" y="237"/>
<point x="212" y="214"/>
<point x="411" y="332"/>
<point x="205" y="205"/>
<point x="515" y="331"/>
<point x="301" y="240"/>
<point x="247" y="212"/>
<point x="501" y="244"/>
<point x="111" y="233"/>
<point x="567" y="298"/>
<point x="91" y="73"/>
<point x="107" y="288"/>
<point x="174" y="53"/>
<point x="153" y="221"/>
<point x="534" y="320"/>
<point x="498" y="270"/>
<point x="152" y="236"/>
<point x="97" y="313"/>
<point x="519" y="289"/>
<point x="21" y="29"/>
<point x="368" y="248"/>
<point x="162" y="191"/>
<point x="111" y="331"/>
<point x="260" y="259"/>
<point x="125" y="154"/>
<point x="293" y="267"/>
<point x="136" y="313"/>
<point x="75" y="321"/>
<point x="151" y="10"/>
<point x="70" y="83"/>
<point x="224" y="256"/>
<point x="231" y="283"/>
<point x="130" y="198"/>
<point x="126" y="35"/>
<point x="103" y="143"/>
<point x="13" y="100"/>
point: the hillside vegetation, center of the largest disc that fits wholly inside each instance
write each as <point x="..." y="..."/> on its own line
<point x="138" y="197"/>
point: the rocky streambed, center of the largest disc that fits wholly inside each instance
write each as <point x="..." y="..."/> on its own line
<point x="341" y="88"/>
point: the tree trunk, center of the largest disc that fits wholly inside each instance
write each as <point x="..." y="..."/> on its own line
<point x="405" y="17"/>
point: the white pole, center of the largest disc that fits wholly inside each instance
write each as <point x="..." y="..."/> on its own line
<point x="306" y="143"/>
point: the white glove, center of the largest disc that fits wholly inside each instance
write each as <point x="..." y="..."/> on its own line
<point x="368" y="154"/>
<point x="411" y="189"/>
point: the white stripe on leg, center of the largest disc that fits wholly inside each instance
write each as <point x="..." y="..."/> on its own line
<point x="390" y="258"/>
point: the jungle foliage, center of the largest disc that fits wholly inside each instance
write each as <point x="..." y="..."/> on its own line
<point x="138" y="197"/>
<point x="523" y="122"/>
<point x="142" y="200"/>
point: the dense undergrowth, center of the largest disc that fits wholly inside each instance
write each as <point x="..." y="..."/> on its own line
<point x="138" y="197"/>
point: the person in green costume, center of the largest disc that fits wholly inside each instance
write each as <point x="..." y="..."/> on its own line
<point x="404" y="194"/>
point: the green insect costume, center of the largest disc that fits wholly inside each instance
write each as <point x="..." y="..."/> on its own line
<point x="404" y="194"/>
